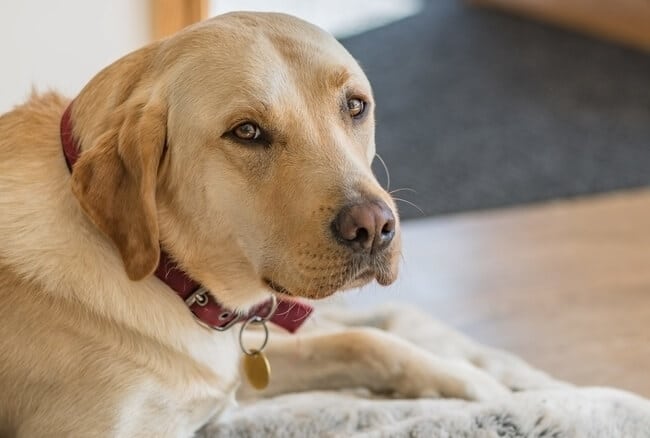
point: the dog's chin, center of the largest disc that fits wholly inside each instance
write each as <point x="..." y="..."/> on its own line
<point x="297" y="292"/>
<point x="360" y="280"/>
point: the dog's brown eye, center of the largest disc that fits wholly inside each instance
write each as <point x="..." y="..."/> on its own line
<point x="247" y="131"/>
<point x="356" y="107"/>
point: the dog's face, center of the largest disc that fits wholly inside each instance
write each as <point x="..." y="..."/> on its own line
<point x="265" y="180"/>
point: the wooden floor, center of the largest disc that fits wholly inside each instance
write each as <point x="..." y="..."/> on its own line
<point x="566" y="285"/>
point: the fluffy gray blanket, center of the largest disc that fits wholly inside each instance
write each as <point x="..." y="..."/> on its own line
<point x="585" y="412"/>
<point x="543" y="408"/>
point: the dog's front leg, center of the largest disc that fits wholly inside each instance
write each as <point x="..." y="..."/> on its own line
<point x="419" y="328"/>
<point x="374" y="359"/>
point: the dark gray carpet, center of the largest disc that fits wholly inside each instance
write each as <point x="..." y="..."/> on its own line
<point x="479" y="109"/>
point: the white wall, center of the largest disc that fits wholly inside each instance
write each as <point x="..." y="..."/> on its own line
<point x="61" y="44"/>
<point x="342" y="18"/>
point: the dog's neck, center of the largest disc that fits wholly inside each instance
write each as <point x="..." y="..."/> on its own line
<point x="288" y="314"/>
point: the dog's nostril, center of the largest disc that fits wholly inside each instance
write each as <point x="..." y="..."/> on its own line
<point x="362" y="235"/>
<point x="389" y="228"/>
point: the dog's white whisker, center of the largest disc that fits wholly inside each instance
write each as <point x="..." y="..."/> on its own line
<point x="408" y="189"/>
<point x="410" y="203"/>
<point x="383" y="163"/>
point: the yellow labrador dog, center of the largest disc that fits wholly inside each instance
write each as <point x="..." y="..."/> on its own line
<point x="240" y="150"/>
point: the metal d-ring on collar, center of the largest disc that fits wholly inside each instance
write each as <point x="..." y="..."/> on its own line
<point x="199" y="296"/>
<point x="258" y="320"/>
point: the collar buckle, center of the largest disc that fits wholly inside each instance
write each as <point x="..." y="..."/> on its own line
<point x="200" y="298"/>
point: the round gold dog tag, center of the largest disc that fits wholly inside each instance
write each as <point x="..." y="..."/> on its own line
<point x="257" y="369"/>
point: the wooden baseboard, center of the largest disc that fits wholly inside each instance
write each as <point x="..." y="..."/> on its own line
<point x="623" y="21"/>
<point x="170" y="16"/>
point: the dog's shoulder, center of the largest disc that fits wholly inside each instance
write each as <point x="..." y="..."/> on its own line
<point x="30" y="128"/>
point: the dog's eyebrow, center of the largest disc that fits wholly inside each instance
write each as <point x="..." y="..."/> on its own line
<point x="338" y="77"/>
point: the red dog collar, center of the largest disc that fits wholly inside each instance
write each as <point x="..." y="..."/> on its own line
<point x="288" y="314"/>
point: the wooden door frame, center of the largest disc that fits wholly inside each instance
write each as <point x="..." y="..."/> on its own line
<point x="623" y="21"/>
<point x="170" y="16"/>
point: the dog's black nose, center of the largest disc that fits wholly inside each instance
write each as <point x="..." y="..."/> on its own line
<point x="366" y="226"/>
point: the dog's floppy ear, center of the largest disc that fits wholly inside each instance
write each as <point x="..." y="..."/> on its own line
<point x="115" y="183"/>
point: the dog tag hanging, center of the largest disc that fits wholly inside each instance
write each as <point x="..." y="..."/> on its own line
<point x="256" y="365"/>
<point x="257" y="369"/>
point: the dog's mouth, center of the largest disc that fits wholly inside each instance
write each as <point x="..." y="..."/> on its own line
<point x="362" y="278"/>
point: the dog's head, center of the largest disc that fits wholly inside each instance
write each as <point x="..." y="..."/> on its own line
<point x="243" y="144"/>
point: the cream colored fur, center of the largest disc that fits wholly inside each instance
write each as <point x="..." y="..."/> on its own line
<point x="91" y="343"/>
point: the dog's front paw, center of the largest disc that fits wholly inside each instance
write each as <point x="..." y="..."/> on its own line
<point x="512" y="371"/>
<point x="452" y="379"/>
<point x="473" y="384"/>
